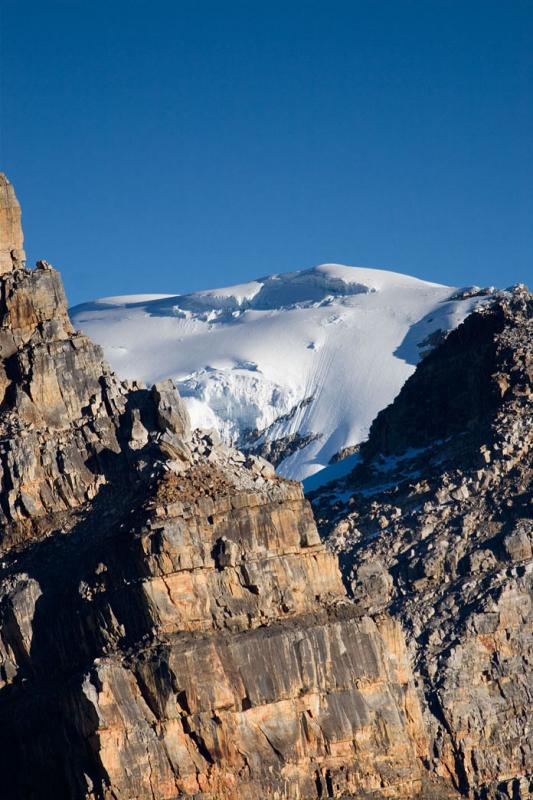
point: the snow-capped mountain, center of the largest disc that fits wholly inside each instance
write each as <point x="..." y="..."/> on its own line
<point x="294" y="365"/>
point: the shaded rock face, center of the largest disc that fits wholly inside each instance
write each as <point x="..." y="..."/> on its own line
<point x="170" y="623"/>
<point x="437" y="530"/>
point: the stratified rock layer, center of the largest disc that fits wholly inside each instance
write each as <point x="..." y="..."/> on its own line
<point x="199" y="643"/>
<point x="170" y="623"/>
<point x="438" y="530"/>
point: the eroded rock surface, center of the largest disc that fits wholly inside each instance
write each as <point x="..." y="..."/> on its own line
<point x="435" y="526"/>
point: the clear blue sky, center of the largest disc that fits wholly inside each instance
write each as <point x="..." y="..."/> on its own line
<point x="171" y="146"/>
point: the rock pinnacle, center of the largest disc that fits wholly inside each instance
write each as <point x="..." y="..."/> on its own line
<point x="12" y="255"/>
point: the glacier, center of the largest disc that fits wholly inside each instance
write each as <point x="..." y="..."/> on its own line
<point x="310" y="355"/>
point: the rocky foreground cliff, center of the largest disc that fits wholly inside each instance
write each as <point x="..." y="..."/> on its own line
<point x="435" y="527"/>
<point x="170" y="623"/>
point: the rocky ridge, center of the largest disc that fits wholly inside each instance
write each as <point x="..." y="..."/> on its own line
<point x="435" y="526"/>
<point x="171" y="624"/>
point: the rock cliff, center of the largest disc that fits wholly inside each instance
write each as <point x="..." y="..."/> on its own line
<point x="434" y="526"/>
<point x="170" y="623"/>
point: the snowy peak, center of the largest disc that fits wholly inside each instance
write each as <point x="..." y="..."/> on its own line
<point x="305" y="359"/>
<point x="283" y="290"/>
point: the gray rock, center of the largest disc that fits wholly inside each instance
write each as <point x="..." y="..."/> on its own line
<point x="519" y="544"/>
<point x="171" y="412"/>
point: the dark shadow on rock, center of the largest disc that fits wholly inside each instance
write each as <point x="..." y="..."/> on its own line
<point x="91" y="600"/>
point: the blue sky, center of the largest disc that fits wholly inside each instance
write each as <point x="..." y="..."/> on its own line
<point x="171" y="146"/>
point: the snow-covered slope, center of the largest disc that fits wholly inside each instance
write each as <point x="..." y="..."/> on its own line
<point x="308" y="356"/>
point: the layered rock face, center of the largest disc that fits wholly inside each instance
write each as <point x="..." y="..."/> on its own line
<point x="147" y="657"/>
<point x="435" y="526"/>
<point x="170" y="623"/>
<point x="204" y="649"/>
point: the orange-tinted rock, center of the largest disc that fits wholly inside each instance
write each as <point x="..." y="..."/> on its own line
<point x="12" y="253"/>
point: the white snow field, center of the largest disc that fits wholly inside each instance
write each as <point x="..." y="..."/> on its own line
<point x="315" y="352"/>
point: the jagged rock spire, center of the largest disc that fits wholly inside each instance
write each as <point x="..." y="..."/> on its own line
<point x="12" y="253"/>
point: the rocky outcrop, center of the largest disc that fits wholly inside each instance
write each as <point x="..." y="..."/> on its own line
<point x="171" y="624"/>
<point x="434" y="526"/>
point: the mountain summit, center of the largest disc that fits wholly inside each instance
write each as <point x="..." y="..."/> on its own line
<point x="292" y="366"/>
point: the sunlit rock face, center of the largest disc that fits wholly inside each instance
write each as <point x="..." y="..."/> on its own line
<point x="209" y="649"/>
